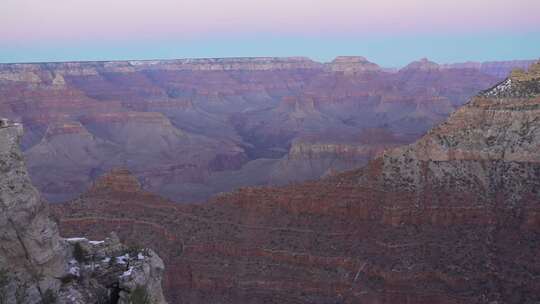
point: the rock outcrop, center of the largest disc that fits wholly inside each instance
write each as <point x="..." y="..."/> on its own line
<point x="352" y="64"/>
<point x="109" y="272"/>
<point x="487" y="149"/>
<point x="38" y="266"/>
<point x="451" y="218"/>
<point x="423" y="64"/>
<point x="31" y="251"/>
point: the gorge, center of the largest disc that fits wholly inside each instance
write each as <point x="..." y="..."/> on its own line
<point x="191" y="128"/>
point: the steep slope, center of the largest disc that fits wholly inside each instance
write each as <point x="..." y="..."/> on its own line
<point x="31" y="249"/>
<point x="37" y="266"/>
<point x="451" y="218"/>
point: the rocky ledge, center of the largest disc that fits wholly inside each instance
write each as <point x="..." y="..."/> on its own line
<point x="110" y="272"/>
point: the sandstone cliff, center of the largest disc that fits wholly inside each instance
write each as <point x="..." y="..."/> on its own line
<point x="38" y="266"/>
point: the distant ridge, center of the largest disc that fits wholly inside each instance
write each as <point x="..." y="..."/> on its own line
<point x="498" y="68"/>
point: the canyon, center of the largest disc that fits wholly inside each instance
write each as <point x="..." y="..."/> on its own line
<point x="192" y="128"/>
<point x="452" y="217"/>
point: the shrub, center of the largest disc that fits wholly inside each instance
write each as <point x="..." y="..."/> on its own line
<point x="111" y="262"/>
<point x="102" y="296"/>
<point x="139" y="296"/>
<point x="21" y="293"/>
<point x="68" y="278"/>
<point x="133" y="250"/>
<point x="4" y="281"/>
<point x="48" y="297"/>
<point x="79" y="253"/>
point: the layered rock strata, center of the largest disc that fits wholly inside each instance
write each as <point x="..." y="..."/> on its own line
<point x="451" y="218"/>
<point x="192" y="128"/>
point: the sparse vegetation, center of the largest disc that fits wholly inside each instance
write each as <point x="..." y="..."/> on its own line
<point x="48" y="297"/>
<point x="102" y="296"/>
<point x="21" y="293"/>
<point x="140" y="296"/>
<point x="68" y="278"/>
<point x="79" y="254"/>
<point x="134" y="250"/>
<point x="4" y="281"/>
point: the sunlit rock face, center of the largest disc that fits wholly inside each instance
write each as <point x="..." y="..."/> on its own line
<point x="192" y="128"/>
<point x="452" y="218"/>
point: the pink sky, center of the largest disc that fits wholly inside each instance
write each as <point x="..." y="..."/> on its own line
<point x="35" y="20"/>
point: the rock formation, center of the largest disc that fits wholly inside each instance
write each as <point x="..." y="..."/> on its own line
<point x="352" y="64"/>
<point x="451" y="218"/>
<point x="423" y="64"/>
<point x="31" y="250"/>
<point x="38" y="266"/>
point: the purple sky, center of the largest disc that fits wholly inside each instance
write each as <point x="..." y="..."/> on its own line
<point x="33" y="30"/>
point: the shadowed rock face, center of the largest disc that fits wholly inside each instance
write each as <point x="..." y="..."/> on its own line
<point x="195" y="127"/>
<point x="451" y="218"/>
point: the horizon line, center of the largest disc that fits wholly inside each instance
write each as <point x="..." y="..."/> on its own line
<point x="258" y="57"/>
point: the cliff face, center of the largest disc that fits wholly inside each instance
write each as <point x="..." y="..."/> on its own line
<point x="37" y="265"/>
<point x="487" y="149"/>
<point x="31" y="250"/>
<point x="451" y="218"/>
<point x="33" y="72"/>
<point x="315" y="156"/>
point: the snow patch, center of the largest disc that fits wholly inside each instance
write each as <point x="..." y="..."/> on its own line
<point x="96" y="242"/>
<point x="74" y="268"/>
<point x="501" y="88"/>
<point x="76" y="239"/>
<point x="122" y="259"/>
<point x="127" y="273"/>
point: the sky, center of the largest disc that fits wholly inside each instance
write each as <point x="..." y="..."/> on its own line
<point x="388" y="32"/>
